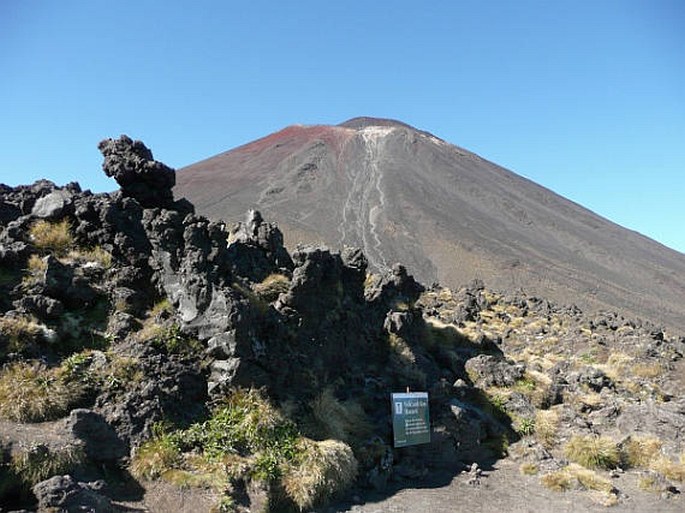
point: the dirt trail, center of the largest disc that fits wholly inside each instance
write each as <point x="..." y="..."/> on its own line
<point x="504" y="490"/>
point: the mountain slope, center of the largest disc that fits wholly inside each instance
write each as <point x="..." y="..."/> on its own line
<point x="405" y="195"/>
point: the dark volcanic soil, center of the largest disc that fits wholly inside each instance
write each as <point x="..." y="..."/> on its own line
<point x="447" y="214"/>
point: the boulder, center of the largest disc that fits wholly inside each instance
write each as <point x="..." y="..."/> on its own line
<point x="65" y="494"/>
<point x="53" y="205"/>
<point x="487" y="371"/>
<point x="140" y="177"/>
<point x="100" y="441"/>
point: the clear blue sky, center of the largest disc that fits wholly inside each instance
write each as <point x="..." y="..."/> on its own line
<point x="584" y="97"/>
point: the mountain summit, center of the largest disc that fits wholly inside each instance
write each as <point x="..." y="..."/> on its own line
<point x="404" y="195"/>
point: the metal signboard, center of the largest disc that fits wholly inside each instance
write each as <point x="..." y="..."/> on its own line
<point x="410" y="419"/>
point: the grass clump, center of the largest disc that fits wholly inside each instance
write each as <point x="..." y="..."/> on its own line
<point x="96" y="255"/>
<point x="20" y="334"/>
<point x="35" y="270"/>
<point x="323" y="469"/>
<point x="573" y="477"/>
<point x="640" y="451"/>
<point x="31" y="392"/>
<point x="155" y="457"/>
<point x="591" y="451"/>
<point x="53" y="237"/>
<point x="546" y="427"/>
<point x="39" y="462"/>
<point x="528" y="469"/>
<point x="245" y="424"/>
<point x="339" y="420"/>
<point x="171" y="340"/>
<point x="675" y="471"/>
<point x="271" y="287"/>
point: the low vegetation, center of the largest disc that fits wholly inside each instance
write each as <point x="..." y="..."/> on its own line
<point x="271" y="287"/>
<point x="32" y="392"/>
<point x="592" y="451"/>
<point x="40" y="462"/>
<point x="52" y="237"/>
<point x="247" y="436"/>
<point x="19" y="334"/>
<point x="576" y="477"/>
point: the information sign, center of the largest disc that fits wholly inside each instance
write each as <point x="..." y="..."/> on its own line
<point x="410" y="419"/>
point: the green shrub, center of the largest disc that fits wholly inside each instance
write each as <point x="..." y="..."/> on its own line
<point x="172" y="341"/>
<point x="246" y="424"/>
<point x="155" y="457"/>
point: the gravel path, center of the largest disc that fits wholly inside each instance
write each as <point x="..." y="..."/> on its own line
<point x="504" y="490"/>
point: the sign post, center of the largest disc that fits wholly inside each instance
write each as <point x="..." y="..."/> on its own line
<point x="410" y="419"/>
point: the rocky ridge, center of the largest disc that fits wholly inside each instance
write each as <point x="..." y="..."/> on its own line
<point x="131" y="327"/>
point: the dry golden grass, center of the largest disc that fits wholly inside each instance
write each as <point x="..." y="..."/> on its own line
<point x="675" y="471"/>
<point x="21" y="332"/>
<point x="325" y="468"/>
<point x="593" y="451"/>
<point x="576" y="477"/>
<point x="52" y="237"/>
<point x="528" y="469"/>
<point x="591" y="400"/>
<point x="271" y="287"/>
<point x="400" y="347"/>
<point x="648" y="370"/>
<point x="96" y="255"/>
<point x="35" y="269"/>
<point x="546" y="427"/>
<point x="39" y="462"/>
<point x="31" y="392"/>
<point x="641" y="451"/>
<point x="339" y="420"/>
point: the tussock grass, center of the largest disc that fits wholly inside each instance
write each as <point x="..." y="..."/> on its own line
<point x="247" y="437"/>
<point x="271" y="287"/>
<point x="324" y="469"/>
<point x="648" y="370"/>
<point x="401" y="349"/>
<point x="334" y="419"/>
<point x="154" y="458"/>
<point x="640" y="451"/>
<point x="31" y="392"/>
<point x="20" y="332"/>
<point x="52" y="237"/>
<point x="675" y="471"/>
<point x="96" y="255"/>
<point x="593" y="452"/>
<point x="573" y="477"/>
<point x="39" y="462"/>
<point x="35" y="269"/>
<point x="528" y="469"/>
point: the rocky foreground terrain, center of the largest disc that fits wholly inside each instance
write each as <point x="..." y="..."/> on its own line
<point x="153" y="360"/>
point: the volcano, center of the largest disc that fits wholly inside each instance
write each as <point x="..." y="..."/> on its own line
<point x="450" y="216"/>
